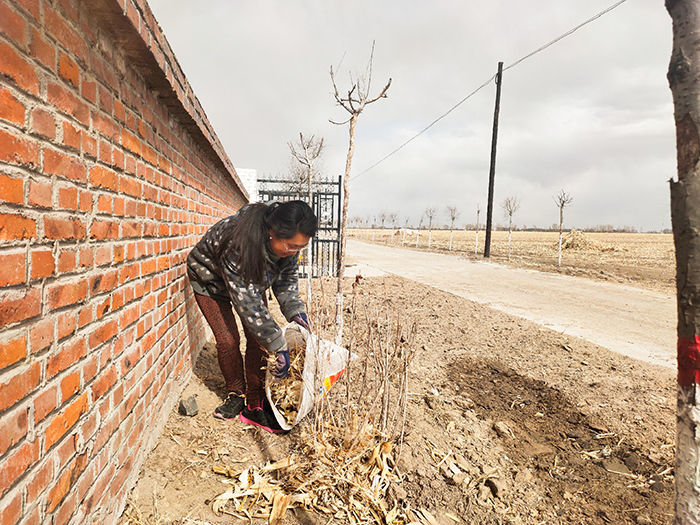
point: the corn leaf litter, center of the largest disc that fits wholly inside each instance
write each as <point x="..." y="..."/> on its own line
<point x="345" y="484"/>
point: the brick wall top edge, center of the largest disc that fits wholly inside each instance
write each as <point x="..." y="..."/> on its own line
<point x="126" y="24"/>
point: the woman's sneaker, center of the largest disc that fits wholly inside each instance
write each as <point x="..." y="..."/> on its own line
<point x="231" y="407"/>
<point x="262" y="417"/>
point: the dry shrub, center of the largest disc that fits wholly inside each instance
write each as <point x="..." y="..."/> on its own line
<point x="345" y="452"/>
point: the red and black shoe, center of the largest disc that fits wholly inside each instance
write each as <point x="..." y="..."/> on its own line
<point x="262" y="417"/>
<point x="231" y="407"/>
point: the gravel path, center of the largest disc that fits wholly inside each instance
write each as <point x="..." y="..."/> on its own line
<point x="631" y="321"/>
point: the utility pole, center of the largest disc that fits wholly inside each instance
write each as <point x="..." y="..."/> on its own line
<point x="492" y="169"/>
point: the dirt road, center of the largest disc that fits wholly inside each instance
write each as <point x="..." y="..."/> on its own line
<point x="631" y="321"/>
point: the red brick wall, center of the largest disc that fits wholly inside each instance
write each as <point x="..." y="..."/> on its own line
<point x="109" y="172"/>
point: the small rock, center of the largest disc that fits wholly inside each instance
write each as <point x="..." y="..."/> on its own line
<point x="574" y="433"/>
<point x="497" y="486"/>
<point x="503" y="430"/>
<point x="598" y="426"/>
<point x="460" y="478"/>
<point x="188" y="407"/>
<point x="643" y="519"/>
<point x="632" y="461"/>
<point x="616" y="466"/>
<point x="462" y="462"/>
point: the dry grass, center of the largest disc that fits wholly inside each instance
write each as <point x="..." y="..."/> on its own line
<point x="643" y="259"/>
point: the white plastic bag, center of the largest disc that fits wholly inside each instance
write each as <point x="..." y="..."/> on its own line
<point x="324" y="362"/>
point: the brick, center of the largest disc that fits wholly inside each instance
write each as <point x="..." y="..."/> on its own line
<point x="89" y="91"/>
<point x="42" y="50"/>
<point x="102" y="334"/>
<point x="12" y="25"/>
<point x="66" y="325"/>
<point x="13" y="427"/>
<point x="104" y="204"/>
<point x="67" y="261"/>
<point x="21" y="382"/>
<point x="56" y="228"/>
<point x="104" y="282"/>
<point x="119" y="111"/>
<point x="72" y="136"/>
<point x="11" y="109"/>
<point x="70" y="385"/>
<point x="68" y="103"/>
<point x="64" y="421"/>
<point x="104" y="382"/>
<point x="45" y="403"/>
<point x="41" y="335"/>
<point x="62" y="488"/>
<point x="68" y="198"/>
<point x="39" y="194"/>
<point x="68" y="69"/>
<point x="104" y="230"/>
<point x="89" y="144"/>
<point x="105" y="126"/>
<point x="129" y="186"/>
<point x="18" y="69"/>
<point x="131" y="229"/>
<point x="11" y="189"/>
<point x="16" y="227"/>
<point x="13" y="269"/>
<point x="85" y="257"/>
<point x="12" y="352"/>
<point x="11" y="510"/>
<point x="131" y="142"/>
<point x="65" y="294"/>
<point x="42" y="263"/>
<point x="70" y="353"/>
<point x="85" y="200"/>
<point x="40" y="479"/>
<point x="15" y="307"/>
<point x="16" y="149"/>
<point x="102" y="177"/>
<point x="43" y="123"/>
<point x="64" y="165"/>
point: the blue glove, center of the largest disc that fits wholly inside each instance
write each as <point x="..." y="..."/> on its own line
<point x="302" y="320"/>
<point x="281" y="368"/>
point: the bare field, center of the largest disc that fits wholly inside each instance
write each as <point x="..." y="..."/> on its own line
<point x="646" y="260"/>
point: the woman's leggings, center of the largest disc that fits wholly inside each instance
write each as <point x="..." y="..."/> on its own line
<point x="222" y="320"/>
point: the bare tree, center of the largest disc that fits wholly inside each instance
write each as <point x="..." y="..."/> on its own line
<point x="476" y="242"/>
<point x="392" y="218"/>
<point x="382" y="216"/>
<point x="430" y="213"/>
<point x="510" y="205"/>
<point x="562" y="199"/>
<point x="683" y="72"/>
<point x="420" y="225"/>
<point x="354" y="102"/>
<point x="306" y="154"/>
<point x="453" y="214"/>
<point x="405" y="227"/>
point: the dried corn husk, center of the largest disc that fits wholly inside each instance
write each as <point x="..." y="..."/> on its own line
<point x="286" y="393"/>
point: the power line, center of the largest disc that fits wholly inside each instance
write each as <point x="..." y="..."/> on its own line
<point x="482" y="86"/>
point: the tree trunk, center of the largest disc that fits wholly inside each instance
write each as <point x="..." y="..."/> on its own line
<point x="343" y="234"/>
<point x="561" y="231"/>
<point x="683" y="74"/>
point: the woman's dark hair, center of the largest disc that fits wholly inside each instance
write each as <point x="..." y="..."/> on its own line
<point x="245" y="241"/>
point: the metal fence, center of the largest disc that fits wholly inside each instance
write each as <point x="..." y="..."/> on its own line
<point x="327" y="206"/>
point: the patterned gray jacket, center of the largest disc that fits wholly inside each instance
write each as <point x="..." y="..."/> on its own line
<point x="220" y="279"/>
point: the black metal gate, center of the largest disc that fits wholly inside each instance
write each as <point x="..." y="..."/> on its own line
<point x="327" y="206"/>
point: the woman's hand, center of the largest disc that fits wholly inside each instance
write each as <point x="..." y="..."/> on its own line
<point x="281" y="368"/>
<point x="302" y="320"/>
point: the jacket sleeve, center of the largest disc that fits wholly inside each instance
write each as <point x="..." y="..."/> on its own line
<point x="248" y="302"/>
<point x="286" y="290"/>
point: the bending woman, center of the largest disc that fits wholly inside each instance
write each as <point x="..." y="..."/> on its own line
<point x="236" y="261"/>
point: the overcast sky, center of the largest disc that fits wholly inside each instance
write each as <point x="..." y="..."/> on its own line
<point x="592" y="114"/>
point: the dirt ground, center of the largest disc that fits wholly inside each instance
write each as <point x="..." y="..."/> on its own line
<point x="549" y="429"/>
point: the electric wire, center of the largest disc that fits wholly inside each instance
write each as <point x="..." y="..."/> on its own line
<point x="482" y="86"/>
